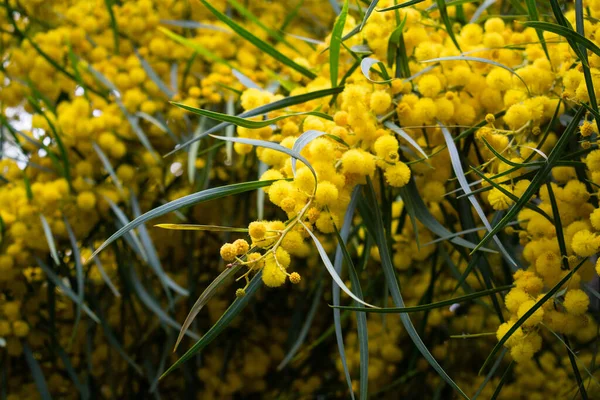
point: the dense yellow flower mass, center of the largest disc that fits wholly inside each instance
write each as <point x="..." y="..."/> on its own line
<point x="454" y="153"/>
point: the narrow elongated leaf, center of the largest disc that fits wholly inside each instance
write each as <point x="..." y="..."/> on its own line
<point x="402" y="5"/>
<point x="36" y="373"/>
<point x="83" y="390"/>
<point x="113" y="24"/>
<point x="272" y="146"/>
<point x="258" y="43"/>
<point x="271" y="32"/>
<point x="539" y="178"/>
<point x="276" y="105"/>
<point x="335" y="44"/>
<point x="106" y="278"/>
<point x="234" y="309"/>
<point x="431" y="306"/>
<point x="400" y="132"/>
<point x="361" y="317"/>
<point x="481" y="9"/>
<point x="153" y="305"/>
<point x="368" y="14"/>
<point x="567" y="33"/>
<point x="209" y="55"/>
<point x="394" y="289"/>
<point x="152" y="254"/>
<point x="192" y="25"/>
<point x="302" y="141"/>
<point x="50" y="239"/>
<point x="455" y="160"/>
<point x="365" y="66"/>
<point x="332" y="270"/>
<point x="65" y="289"/>
<point x="107" y="166"/>
<point x="308" y="319"/>
<point x="204" y="298"/>
<point x="337" y="265"/>
<point x="194" y="227"/>
<point x="193" y="151"/>
<point x="441" y="4"/>
<point x="247" y="123"/>
<point x="153" y="75"/>
<point x="244" y="80"/>
<point x="185" y="201"/>
<point x="78" y="275"/>
<point x="539" y="303"/>
<point x="416" y="207"/>
<point x="133" y="236"/>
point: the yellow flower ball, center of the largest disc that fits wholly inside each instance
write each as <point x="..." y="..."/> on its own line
<point x="397" y="175"/>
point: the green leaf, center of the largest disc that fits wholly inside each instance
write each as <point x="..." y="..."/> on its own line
<point x="338" y="266"/>
<point x="204" y="298"/>
<point x="78" y="274"/>
<point x="365" y="66"/>
<point x="113" y="24"/>
<point x="65" y="289"/>
<point x="258" y="43"/>
<point x="431" y="306"/>
<point x="153" y="257"/>
<point x="400" y="132"/>
<point x="108" y="166"/>
<point x="153" y="75"/>
<point x="398" y="6"/>
<point x="302" y="141"/>
<point x="534" y="16"/>
<point x="446" y="19"/>
<point x="361" y="317"/>
<point x="194" y="46"/>
<point x="368" y="14"/>
<point x="246" y="123"/>
<point x="153" y="305"/>
<point x="50" y="239"/>
<point x="308" y="319"/>
<point x="565" y="32"/>
<point x="271" y="32"/>
<point x="530" y="312"/>
<point x="490" y="374"/>
<point x="417" y="208"/>
<point x="36" y="373"/>
<point x="194" y="227"/>
<point x="335" y="45"/>
<point x="539" y="178"/>
<point x="234" y="309"/>
<point x="392" y="281"/>
<point x="185" y="201"/>
<point x="276" y="105"/>
<point x="193" y="151"/>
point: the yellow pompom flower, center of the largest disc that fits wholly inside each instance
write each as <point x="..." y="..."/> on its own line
<point x="228" y="252"/>
<point x="257" y="230"/>
<point x="397" y="175"/>
<point x="585" y="243"/>
<point x="498" y="200"/>
<point x="576" y="301"/>
<point x="86" y="200"/>
<point x="429" y="85"/>
<point x="358" y="162"/>
<point x="535" y="318"/>
<point x="272" y="274"/>
<point x="517" y="116"/>
<point x="327" y="194"/>
<point x="380" y="102"/>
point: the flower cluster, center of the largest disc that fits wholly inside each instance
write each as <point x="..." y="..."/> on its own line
<point x="452" y="159"/>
